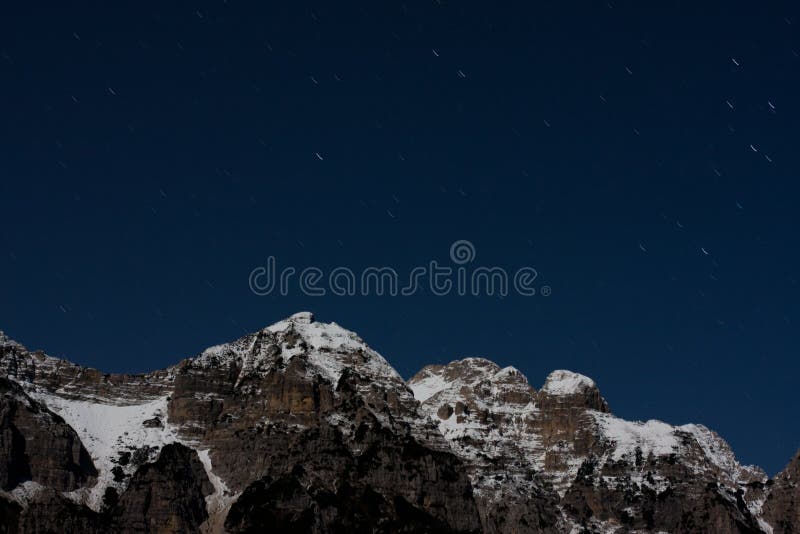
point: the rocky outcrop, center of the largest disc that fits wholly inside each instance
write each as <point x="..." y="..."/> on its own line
<point x="782" y="506"/>
<point x="74" y="381"/>
<point x="9" y="515"/>
<point x="611" y="495"/>
<point x="389" y="487"/>
<point x="49" y="511"/>
<point x="37" y="445"/>
<point x="566" y="403"/>
<point x="166" y="496"/>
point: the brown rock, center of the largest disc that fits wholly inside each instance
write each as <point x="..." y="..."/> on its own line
<point x="36" y="444"/>
<point x="782" y="506"/>
<point x="166" y="496"/>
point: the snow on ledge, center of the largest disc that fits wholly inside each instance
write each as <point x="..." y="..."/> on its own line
<point x="652" y="436"/>
<point x="564" y="382"/>
<point x="106" y="430"/>
<point x="507" y="371"/>
<point x="428" y="386"/>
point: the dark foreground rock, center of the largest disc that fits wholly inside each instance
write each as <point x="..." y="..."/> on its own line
<point x="37" y="445"/>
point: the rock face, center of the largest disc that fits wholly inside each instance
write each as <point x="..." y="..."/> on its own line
<point x="782" y="506"/>
<point x="166" y="496"/>
<point x="301" y="427"/>
<point x="37" y="445"/>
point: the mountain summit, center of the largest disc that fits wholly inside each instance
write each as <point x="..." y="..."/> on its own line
<point x="302" y="427"/>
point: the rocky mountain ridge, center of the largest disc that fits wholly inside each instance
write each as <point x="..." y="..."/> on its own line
<point x="302" y="427"/>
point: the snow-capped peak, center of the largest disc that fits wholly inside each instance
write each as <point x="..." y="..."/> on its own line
<point x="328" y="348"/>
<point x="564" y="382"/>
<point x="304" y="317"/>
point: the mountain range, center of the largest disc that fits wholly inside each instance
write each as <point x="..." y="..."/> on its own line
<point x="301" y="427"/>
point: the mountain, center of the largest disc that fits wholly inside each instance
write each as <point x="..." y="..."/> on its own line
<point x="602" y="473"/>
<point x="301" y="427"/>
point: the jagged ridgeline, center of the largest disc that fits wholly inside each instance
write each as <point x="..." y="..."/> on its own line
<point x="302" y="428"/>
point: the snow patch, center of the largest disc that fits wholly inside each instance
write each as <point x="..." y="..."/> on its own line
<point x="428" y="386"/>
<point x="507" y="371"/>
<point x="766" y="527"/>
<point x="653" y="436"/>
<point x="106" y="430"/>
<point x="564" y="382"/>
<point x="218" y="503"/>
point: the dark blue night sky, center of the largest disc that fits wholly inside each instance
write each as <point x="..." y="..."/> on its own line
<point x="643" y="159"/>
